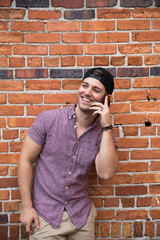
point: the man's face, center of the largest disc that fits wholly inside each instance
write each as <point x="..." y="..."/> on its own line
<point x="90" y="91"/>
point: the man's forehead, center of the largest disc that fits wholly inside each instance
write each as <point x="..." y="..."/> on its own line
<point x="94" y="82"/>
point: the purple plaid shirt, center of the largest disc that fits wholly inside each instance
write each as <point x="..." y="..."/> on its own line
<point x="61" y="177"/>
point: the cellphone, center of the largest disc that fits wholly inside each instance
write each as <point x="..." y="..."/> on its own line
<point x="103" y="98"/>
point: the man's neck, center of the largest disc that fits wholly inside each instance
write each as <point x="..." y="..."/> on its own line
<point x="84" y="119"/>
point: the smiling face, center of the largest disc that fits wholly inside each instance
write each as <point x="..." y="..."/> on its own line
<point x="91" y="90"/>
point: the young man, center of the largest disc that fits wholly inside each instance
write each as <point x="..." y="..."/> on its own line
<point x="66" y="142"/>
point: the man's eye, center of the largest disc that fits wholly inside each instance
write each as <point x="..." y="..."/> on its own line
<point x="97" y="90"/>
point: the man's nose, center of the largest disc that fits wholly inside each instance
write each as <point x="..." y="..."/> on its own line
<point x="88" y="91"/>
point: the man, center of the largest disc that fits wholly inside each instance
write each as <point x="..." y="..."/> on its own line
<point x="66" y="142"/>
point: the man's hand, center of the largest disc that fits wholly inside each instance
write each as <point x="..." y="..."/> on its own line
<point x="28" y="215"/>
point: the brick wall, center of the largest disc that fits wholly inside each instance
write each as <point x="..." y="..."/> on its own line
<point x="44" y="48"/>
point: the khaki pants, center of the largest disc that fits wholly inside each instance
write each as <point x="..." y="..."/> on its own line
<point x="67" y="230"/>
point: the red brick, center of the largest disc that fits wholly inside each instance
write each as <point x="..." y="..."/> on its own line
<point x="5" y="3"/>
<point x="129" y="118"/>
<point x="98" y="202"/>
<point x="30" y="50"/>
<point x="146" y="178"/>
<point x="113" y="13"/>
<point x="130" y="96"/>
<point x="101" y="61"/>
<point x="155" y="213"/>
<point x="154" y="94"/>
<point x="51" y="61"/>
<point x="8" y="182"/>
<point x="122" y="83"/>
<point x="155" y="142"/>
<point x="154" y="118"/>
<point x="134" y="48"/>
<point x="4" y="232"/>
<point x="135" y="61"/>
<point x="4" y="194"/>
<point x="35" y="110"/>
<point x="24" y="98"/>
<point x="131" y="214"/>
<point x="9" y="158"/>
<point x="145" y="154"/>
<point x="105" y="214"/>
<point x="42" y="37"/>
<point x="130" y="131"/>
<point x="117" y="179"/>
<point x="67" y="3"/>
<point x="131" y="190"/>
<point x="34" y="61"/>
<point x="133" y="24"/>
<point x="111" y="202"/>
<point x="157" y="48"/>
<point x="2" y="123"/>
<point x="66" y="49"/>
<point x="119" y="108"/>
<point x="44" y="15"/>
<point x="14" y="232"/>
<point x="68" y="61"/>
<point x="71" y="84"/>
<point x="63" y="26"/>
<point x="15" y="146"/>
<point x="43" y="85"/>
<point x="3" y="147"/>
<point x="16" y="62"/>
<point x="105" y="229"/>
<point x="146" y="13"/>
<point x="11" y="110"/>
<point x="12" y="13"/>
<point x="31" y="73"/>
<point x="2" y="98"/>
<point x="84" y="61"/>
<point x="66" y="98"/>
<point x="155" y="166"/>
<point x="152" y="60"/>
<point x="132" y="143"/>
<point x="5" y="50"/>
<point x="7" y="85"/>
<point x="11" y="206"/>
<point x="112" y="37"/>
<point x="98" y="25"/>
<point x="146" y="82"/>
<point x="128" y="202"/>
<point x="15" y="194"/>
<point x="100" y="49"/>
<point x="100" y="191"/>
<point x="146" y="36"/>
<point x="11" y="37"/>
<point x="77" y="37"/>
<point x="3" y="62"/>
<point x="14" y="217"/>
<point x="25" y="26"/>
<point x="133" y="167"/>
<point x="145" y="106"/>
<point x="144" y="131"/>
<point x="149" y="229"/>
<point x="3" y="170"/>
<point x="13" y="171"/>
<point x="138" y="229"/>
<point x="155" y="23"/>
<point x="117" y="61"/>
<point x="123" y="155"/>
<point x="143" y="202"/>
<point x="127" y="230"/>
<point x="20" y="122"/>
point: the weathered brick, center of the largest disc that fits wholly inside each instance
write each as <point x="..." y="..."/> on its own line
<point x="131" y="190"/>
<point x="127" y="202"/>
<point x="19" y="122"/>
<point x="112" y="37"/>
<point x="66" y="73"/>
<point x="9" y="158"/>
<point x="43" y="84"/>
<point x="8" y="182"/>
<point x="31" y="73"/>
<point x="79" y="14"/>
<point x="117" y="179"/>
<point x="3" y="218"/>
<point x="14" y="169"/>
<point x="77" y="37"/>
<point x="98" y="25"/>
<point x="158" y="229"/>
<point x="115" y="229"/>
<point x="156" y="24"/>
<point x="24" y="98"/>
<point x="14" y="232"/>
<point x="157" y="3"/>
<point x="15" y="147"/>
<point x="122" y="83"/>
<point x="66" y="98"/>
<point x="51" y="61"/>
<point x="34" y="62"/>
<point x="35" y="110"/>
<point x="133" y="3"/>
<point x="71" y="84"/>
<point x="2" y="98"/>
<point x="146" y="36"/>
<point x="105" y="214"/>
<point x="11" y="85"/>
<point x="138" y="229"/>
<point x="3" y="171"/>
<point x="132" y="72"/>
<point x="155" y="142"/>
<point x="66" y="49"/>
<point x="2" y="123"/>
<point x="131" y="214"/>
<point x="101" y="3"/>
<point x="135" y="61"/>
<point x="67" y="3"/>
<point x="155" y="213"/>
<point x="129" y="118"/>
<point x="15" y="194"/>
<point x="155" y="71"/>
<point x="145" y="106"/>
<point x="143" y="202"/>
<point x="111" y="202"/>
<point x="130" y="96"/>
<point x="11" y="110"/>
<point x="145" y="154"/>
<point x="5" y="3"/>
<point x="11" y="37"/>
<point x="144" y="131"/>
<point x="120" y="108"/>
<point x="4" y="194"/>
<point x="32" y="3"/>
<point x="101" y="191"/>
<point x="127" y="230"/>
<point x="157" y="48"/>
<point x="117" y="61"/>
<point x="43" y="14"/>
<point x="145" y="82"/>
<point x="146" y="178"/>
<point x="130" y="131"/>
<point x="98" y="202"/>
<point x="155" y="166"/>
<point x="105" y="229"/>
<point x="101" y="61"/>
<point x="3" y="147"/>
<point x="6" y="74"/>
<point x="152" y="60"/>
<point x="133" y="24"/>
<point x="3" y="25"/>
<point x="113" y="13"/>
<point x="84" y="61"/>
<point x="10" y="134"/>
<point x="30" y="50"/>
<point x="12" y="13"/>
<point x="5" y="50"/>
<point x="25" y="26"/>
<point x="42" y="37"/>
<point x="63" y="26"/>
<point x="11" y="206"/>
<point x="146" y="13"/>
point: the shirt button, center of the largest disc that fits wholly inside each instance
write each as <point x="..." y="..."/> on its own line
<point x="69" y="173"/>
<point x="66" y="187"/>
<point x="75" y="126"/>
<point x="73" y="157"/>
<point x="66" y="203"/>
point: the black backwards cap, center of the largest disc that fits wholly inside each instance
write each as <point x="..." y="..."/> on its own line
<point x="103" y="76"/>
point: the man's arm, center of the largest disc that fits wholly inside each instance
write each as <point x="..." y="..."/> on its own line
<point x="106" y="160"/>
<point x="29" y="153"/>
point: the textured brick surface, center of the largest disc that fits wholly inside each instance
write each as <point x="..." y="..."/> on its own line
<point x="45" y="49"/>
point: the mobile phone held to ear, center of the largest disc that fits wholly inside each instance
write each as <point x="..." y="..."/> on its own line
<point x="103" y="99"/>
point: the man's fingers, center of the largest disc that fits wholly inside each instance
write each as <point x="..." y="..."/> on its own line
<point x="28" y="229"/>
<point x="36" y="220"/>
